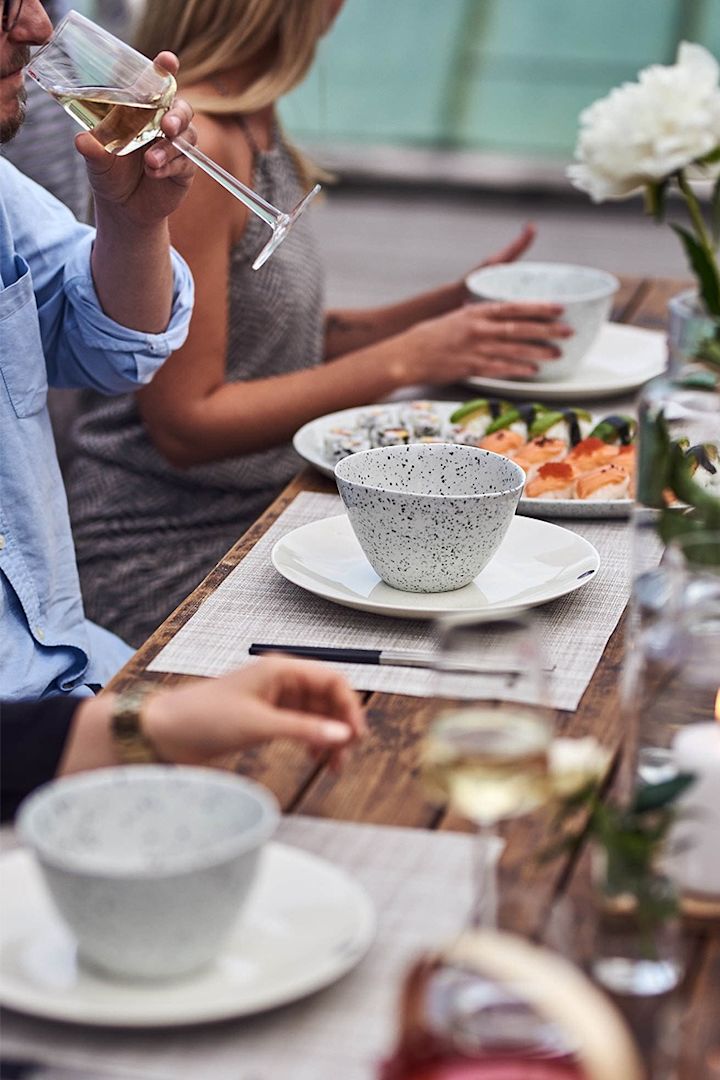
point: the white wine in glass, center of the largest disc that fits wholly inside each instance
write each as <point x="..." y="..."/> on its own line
<point x="486" y="751"/>
<point x="120" y="96"/>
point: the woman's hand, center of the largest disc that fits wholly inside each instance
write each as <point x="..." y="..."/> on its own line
<point x="144" y="187"/>
<point x="497" y="340"/>
<point x="301" y="700"/>
<point x="513" y="250"/>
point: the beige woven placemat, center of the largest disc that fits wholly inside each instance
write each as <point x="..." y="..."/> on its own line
<point x="419" y="882"/>
<point x="254" y="603"/>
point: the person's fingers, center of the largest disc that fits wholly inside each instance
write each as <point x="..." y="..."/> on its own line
<point x="316" y="731"/>
<point x="519" y="350"/>
<point x="168" y="61"/>
<point x="521" y="330"/>
<point x="297" y="684"/>
<point x="178" y="119"/>
<point x="97" y="159"/>
<point x="490" y="367"/>
<point x="493" y="309"/>
<point x="515" y="249"/>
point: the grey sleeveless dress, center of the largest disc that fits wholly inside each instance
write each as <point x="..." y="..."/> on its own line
<point x="146" y="533"/>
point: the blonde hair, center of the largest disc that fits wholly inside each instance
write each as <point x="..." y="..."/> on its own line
<point x="212" y="36"/>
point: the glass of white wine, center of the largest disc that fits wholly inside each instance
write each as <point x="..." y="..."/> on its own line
<point x="120" y="96"/>
<point x="486" y="751"/>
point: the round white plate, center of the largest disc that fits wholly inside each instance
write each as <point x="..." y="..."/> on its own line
<point x="620" y="361"/>
<point x="309" y="443"/>
<point x="536" y="562"/>
<point x="306" y="924"/>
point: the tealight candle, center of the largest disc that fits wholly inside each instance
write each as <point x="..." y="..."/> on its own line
<point x="696" y="836"/>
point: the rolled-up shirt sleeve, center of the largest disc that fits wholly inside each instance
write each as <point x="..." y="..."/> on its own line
<point x="83" y="347"/>
<point x="34" y="734"/>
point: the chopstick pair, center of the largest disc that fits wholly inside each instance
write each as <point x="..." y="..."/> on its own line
<point x="395" y="657"/>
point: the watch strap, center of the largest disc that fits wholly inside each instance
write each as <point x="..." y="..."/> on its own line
<point x="131" y="743"/>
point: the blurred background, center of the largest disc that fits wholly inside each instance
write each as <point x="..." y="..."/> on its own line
<point x="449" y="123"/>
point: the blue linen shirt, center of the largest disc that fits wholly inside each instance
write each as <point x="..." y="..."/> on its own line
<point x="54" y="332"/>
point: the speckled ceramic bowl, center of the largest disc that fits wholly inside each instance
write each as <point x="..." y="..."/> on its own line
<point x="429" y="518"/>
<point x="586" y="295"/>
<point x="149" y="865"/>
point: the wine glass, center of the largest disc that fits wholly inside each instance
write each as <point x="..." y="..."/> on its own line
<point x="486" y="750"/>
<point x="120" y="96"/>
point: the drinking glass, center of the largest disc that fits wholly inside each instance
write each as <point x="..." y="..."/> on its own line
<point x="120" y="96"/>
<point x="487" y="748"/>
<point x="671" y="674"/>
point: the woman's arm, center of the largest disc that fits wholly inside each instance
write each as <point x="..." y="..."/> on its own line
<point x="346" y="331"/>
<point x="194" y="416"/>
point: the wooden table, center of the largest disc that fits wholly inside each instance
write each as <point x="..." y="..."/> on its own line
<point x="382" y="785"/>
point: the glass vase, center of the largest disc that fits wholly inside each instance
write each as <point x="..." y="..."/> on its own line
<point x="693" y="339"/>
<point x="638" y="942"/>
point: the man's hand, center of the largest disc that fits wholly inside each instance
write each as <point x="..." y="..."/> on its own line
<point x="145" y="187"/>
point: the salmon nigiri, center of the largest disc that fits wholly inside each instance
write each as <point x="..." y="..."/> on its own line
<point x="592" y="453"/>
<point x="539" y="452"/>
<point x="608" y="482"/>
<point x="504" y="442"/>
<point x="553" y="481"/>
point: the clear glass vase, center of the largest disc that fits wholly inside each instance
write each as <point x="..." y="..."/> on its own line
<point x="693" y="339"/>
<point x="638" y="950"/>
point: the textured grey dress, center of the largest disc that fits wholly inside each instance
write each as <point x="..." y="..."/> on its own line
<point x="147" y="533"/>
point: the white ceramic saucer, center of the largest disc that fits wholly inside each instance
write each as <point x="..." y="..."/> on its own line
<point x="306" y="924"/>
<point x="620" y="361"/>
<point x="536" y="562"/>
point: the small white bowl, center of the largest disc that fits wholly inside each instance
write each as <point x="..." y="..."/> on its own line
<point x="149" y="865"/>
<point x="585" y="293"/>
<point x="429" y="517"/>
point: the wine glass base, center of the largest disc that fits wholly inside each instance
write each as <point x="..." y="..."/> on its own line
<point x="283" y="227"/>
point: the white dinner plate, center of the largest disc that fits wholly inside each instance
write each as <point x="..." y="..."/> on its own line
<point x="622" y="359"/>
<point x="306" y="923"/>
<point x="535" y="563"/>
<point x="309" y="443"/>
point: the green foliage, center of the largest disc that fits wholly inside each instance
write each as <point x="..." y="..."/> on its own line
<point x="704" y="266"/>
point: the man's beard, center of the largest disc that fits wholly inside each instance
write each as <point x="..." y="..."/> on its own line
<point x="10" y="125"/>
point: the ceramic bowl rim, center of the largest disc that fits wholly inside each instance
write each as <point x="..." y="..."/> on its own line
<point x="610" y="286"/>
<point x="211" y="855"/>
<point x="432" y="448"/>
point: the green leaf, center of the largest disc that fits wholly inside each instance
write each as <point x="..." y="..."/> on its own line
<point x="656" y="796"/>
<point x="715" y="212"/>
<point x="655" y="199"/>
<point x="709" y="159"/>
<point x="704" y="267"/>
<point x="699" y="380"/>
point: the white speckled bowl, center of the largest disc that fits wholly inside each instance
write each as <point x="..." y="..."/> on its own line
<point x="586" y="295"/>
<point x="149" y="865"/>
<point x="429" y="517"/>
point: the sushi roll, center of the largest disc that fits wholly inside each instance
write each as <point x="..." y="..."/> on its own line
<point x="370" y="420"/>
<point x="616" y="429"/>
<point x="339" y="443"/>
<point x="553" y="481"/>
<point x="609" y="482"/>
<point x="704" y="462"/>
<point x="571" y="425"/>
<point x="421" y="419"/>
<point x="517" y="418"/>
<point x="472" y="419"/>
<point x="392" y="436"/>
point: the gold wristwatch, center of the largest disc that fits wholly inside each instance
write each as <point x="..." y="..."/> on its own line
<point x="131" y="743"/>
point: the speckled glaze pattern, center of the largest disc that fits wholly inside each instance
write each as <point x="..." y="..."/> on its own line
<point x="585" y="293"/>
<point x="429" y="517"/>
<point x="150" y="865"/>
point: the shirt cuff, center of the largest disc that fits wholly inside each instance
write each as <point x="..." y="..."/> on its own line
<point x="100" y="331"/>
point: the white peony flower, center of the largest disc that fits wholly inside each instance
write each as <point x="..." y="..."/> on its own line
<point x="643" y="132"/>
<point x="575" y="763"/>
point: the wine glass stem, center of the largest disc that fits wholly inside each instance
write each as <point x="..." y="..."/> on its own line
<point x="488" y="845"/>
<point x="246" y="195"/>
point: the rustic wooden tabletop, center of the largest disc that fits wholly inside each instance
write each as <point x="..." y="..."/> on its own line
<point x="382" y="785"/>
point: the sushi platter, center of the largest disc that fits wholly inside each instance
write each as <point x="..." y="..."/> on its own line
<point x="578" y="464"/>
<point x="546" y="435"/>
